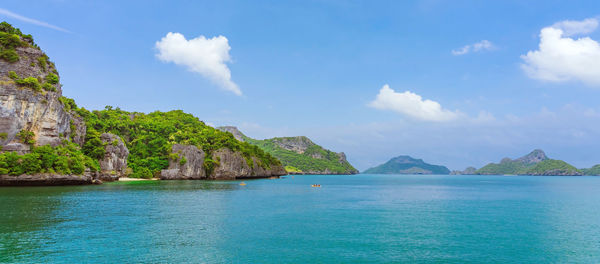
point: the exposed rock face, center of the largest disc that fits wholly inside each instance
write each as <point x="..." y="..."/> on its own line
<point x="47" y="179"/>
<point x="191" y="169"/>
<point x="535" y="156"/>
<point x="114" y="164"/>
<point x="230" y="165"/>
<point x="295" y="144"/>
<point x="37" y="111"/>
<point x="237" y="134"/>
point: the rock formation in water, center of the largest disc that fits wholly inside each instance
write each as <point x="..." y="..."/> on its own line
<point x="189" y="164"/>
<point x="299" y="155"/>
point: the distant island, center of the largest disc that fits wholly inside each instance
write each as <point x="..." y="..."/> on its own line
<point x="299" y="155"/>
<point x="407" y="165"/>
<point x="535" y="163"/>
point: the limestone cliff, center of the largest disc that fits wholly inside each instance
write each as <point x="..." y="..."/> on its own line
<point x="188" y="163"/>
<point x="114" y="164"/>
<point x="27" y="106"/>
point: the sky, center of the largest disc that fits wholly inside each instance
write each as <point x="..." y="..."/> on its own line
<point x="457" y="83"/>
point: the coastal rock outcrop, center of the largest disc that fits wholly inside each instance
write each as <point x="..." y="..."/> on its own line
<point x="37" y="110"/>
<point x="114" y="164"/>
<point x="42" y="179"/>
<point x="188" y="163"/>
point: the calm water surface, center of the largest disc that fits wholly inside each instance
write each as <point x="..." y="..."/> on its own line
<point x="360" y="218"/>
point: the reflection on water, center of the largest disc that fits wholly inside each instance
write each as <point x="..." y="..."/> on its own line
<point x="360" y="218"/>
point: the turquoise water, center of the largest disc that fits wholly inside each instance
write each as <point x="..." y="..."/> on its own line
<point x="360" y="218"/>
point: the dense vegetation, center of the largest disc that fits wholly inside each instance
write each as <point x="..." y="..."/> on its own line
<point x="535" y="163"/>
<point x="36" y="84"/>
<point x="10" y="39"/>
<point x="407" y="165"/>
<point x="149" y="138"/>
<point x="595" y="170"/>
<point x="552" y="167"/>
<point x="505" y="167"/>
<point x="314" y="159"/>
<point x="63" y="159"/>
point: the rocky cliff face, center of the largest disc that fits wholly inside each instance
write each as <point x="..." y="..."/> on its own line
<point x="114" y="164"/>
<point x="237" y="134"/>
<point x="533" y="157"/>
<point x="296" y="144"/>
<point x="189" y="164"/>
<point x="38" y="111"/>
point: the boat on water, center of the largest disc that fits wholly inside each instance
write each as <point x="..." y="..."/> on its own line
<point x="243" y="184"/>
<point x="316" y="185"/>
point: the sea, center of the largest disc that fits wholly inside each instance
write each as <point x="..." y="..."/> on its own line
<point x="349" y="219"/>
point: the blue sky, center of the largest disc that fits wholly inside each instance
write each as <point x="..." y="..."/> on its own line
<point x="317" y="68"/>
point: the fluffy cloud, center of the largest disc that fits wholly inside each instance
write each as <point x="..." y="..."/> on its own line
<point x="411" y="105"/>
<point x="201" y="55"/>
<point x="475" y="47"/>
<point x="561" y="58"/>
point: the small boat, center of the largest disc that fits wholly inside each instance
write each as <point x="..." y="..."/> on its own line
<point x="316" y="185"/>
<point x="243" y="184"/>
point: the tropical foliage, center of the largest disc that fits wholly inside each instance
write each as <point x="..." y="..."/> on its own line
<point x="149" y="138"/>
<point x="62" y="159"/>
<point x="314" y="159"/>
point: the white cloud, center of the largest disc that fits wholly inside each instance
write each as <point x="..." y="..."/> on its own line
<point x="475" y="47"/>
<point x="411" y="105"/>
<point x="560" y="58"/>
<point x="30" y="20"/>
<point x="201" y="55"/>
<point x="571" y="27"/>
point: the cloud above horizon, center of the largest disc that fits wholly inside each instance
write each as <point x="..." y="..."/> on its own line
<point x="411" y="105"/>
<point x="31" y="20"/>
<point x="205" y="56"/>
<point x="560" y="58"/>
<point x="475" y="47"/>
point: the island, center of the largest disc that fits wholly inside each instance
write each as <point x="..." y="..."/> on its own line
<point x="407" y="165"/>
<point x="535" y="163"/>
<point x="299" y="155"/>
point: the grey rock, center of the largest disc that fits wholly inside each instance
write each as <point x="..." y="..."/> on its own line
<point x="25" y="109"/>
<point x="229" y="165"/>
<point x="47" y="179"/>
<point x="534" y="157"/>
<point x="191" y="169"/>
<point x="237" y="134"/>
<point x="114" y="164"/>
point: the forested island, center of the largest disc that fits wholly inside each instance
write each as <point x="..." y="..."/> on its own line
<point x="299" y="155"/>
<point x="407" y="165"/>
